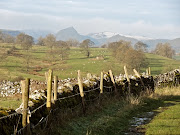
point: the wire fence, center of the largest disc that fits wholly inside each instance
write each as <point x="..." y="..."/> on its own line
<point x="73" y="102"/>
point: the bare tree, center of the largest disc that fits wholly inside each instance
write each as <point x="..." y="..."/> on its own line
<point x="140" y="46"/>
<point x="26" y="43"/>
<point x="62" y="49"/>
<point x="164" y="50"/>
<point x="40" y="41"/>
<point x="85" y="45"/>
<point x="6" y="38"/>
<point x="72" y="42"/>
<point x="125" y="54"/>
<point x="50" y="41"/>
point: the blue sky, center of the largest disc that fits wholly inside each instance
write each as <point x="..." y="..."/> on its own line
<point x="151" y="18"/>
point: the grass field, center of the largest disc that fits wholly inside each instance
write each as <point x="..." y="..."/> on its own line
<point x="13" y="66"/>
<point x="114" y="116"/>
<point x="168" y="120"/>
<point x="10" y="103"/>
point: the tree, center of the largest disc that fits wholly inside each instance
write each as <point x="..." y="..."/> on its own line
<point x="125" y="54"/>
<point x="6" y="38"/>
<point x="104" y="46"/>
<point x="115" y="45"/>
<point x="1" y="37"/>
<point x="26" y="43"/>
<point x="50" y="41"/>
<point x="140" y="46"/>
<point x="40" y="41"/>
<point x="72" y="42"/>
<point x="85" y="45"/>
<point x="62" y="49"/>
<point x="164" y="50"/>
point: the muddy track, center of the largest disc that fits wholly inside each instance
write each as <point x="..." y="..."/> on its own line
<point x="137" y="124"/>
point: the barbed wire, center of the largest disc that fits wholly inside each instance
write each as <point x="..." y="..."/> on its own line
<point x="91" y="90"/>
<point x="37" y="108"/>
<point x="68" y="96"/>
<point x="20" y="130"/>
<point x="10" y="115"/>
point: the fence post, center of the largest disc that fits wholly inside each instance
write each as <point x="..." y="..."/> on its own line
<point x="55" y="87"/>
<point x="101" y="83"/>
<point x="89" y="76"/>
<point x="149" y="71"/>
<point x="49" y="89"/>
<point x="25" y="99"/>
<point x="112" y="79"/>
<point x="127" y="76"/>
<point x="81" y="90"/>
<point x="138" y="75"/>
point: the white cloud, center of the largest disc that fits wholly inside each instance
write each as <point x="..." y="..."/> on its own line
<point x="16" y="20"/>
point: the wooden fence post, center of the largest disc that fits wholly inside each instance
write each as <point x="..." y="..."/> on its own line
<point x="138" y="75"/>
<point x="25" y="98"/>
<point x="55" y="87"/>
<point x="112" y="79"/>
<point x="101" y="83"/>
<point x="81" y="90"/>
<point x="49" y="90"/>
<point x="127" y="76"/>
<point x="89" y="76"/>
<point x="149" y="71"/>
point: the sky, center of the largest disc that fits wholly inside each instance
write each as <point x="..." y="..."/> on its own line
<point x="150" y="18"/>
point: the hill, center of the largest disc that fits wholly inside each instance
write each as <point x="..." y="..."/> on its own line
<point x="175" y="44"/>
<point x="71" y="33"/>
<point x="10" y="32"/>
<point x="98" y="38"/>
<point x="13" y="65"/>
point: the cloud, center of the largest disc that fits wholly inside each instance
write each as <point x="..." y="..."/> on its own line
<point x="19" y="20"/>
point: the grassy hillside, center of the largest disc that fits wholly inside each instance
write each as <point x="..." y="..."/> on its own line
<point x="14" y="65"/>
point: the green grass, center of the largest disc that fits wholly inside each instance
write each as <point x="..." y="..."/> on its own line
<point x="10" y="103"/>
<point x="177" y="57"/>
<point x="14" y="65"/>
<point x="167" y="122"/>
<point x="113" y="116"/>
<point x="161" y="64"/>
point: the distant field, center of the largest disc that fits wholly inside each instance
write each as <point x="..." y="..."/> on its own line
<point x="14" y="66"/>
<point x="177" y="57"/>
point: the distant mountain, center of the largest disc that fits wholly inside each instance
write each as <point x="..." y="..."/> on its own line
<point x="102" y="35"/>
<point x="175" y="43"/>
<point x="119" y="37"/>
<point x="108" y="34"/>
<point x="153" y="42"/>
<point x="71" y="33"/>
<point x="68" y="33"/>
<point x="98" y="38"/>
<point x="36" y="33"/>
<point x="13" y="33"/>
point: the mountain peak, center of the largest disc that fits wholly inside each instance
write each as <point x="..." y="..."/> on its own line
<point x="69" y="30"/>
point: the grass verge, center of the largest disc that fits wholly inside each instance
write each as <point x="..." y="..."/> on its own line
<point x="113" y="116"/>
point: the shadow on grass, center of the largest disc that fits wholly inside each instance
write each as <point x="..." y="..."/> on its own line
<point x="113" y="117"/>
